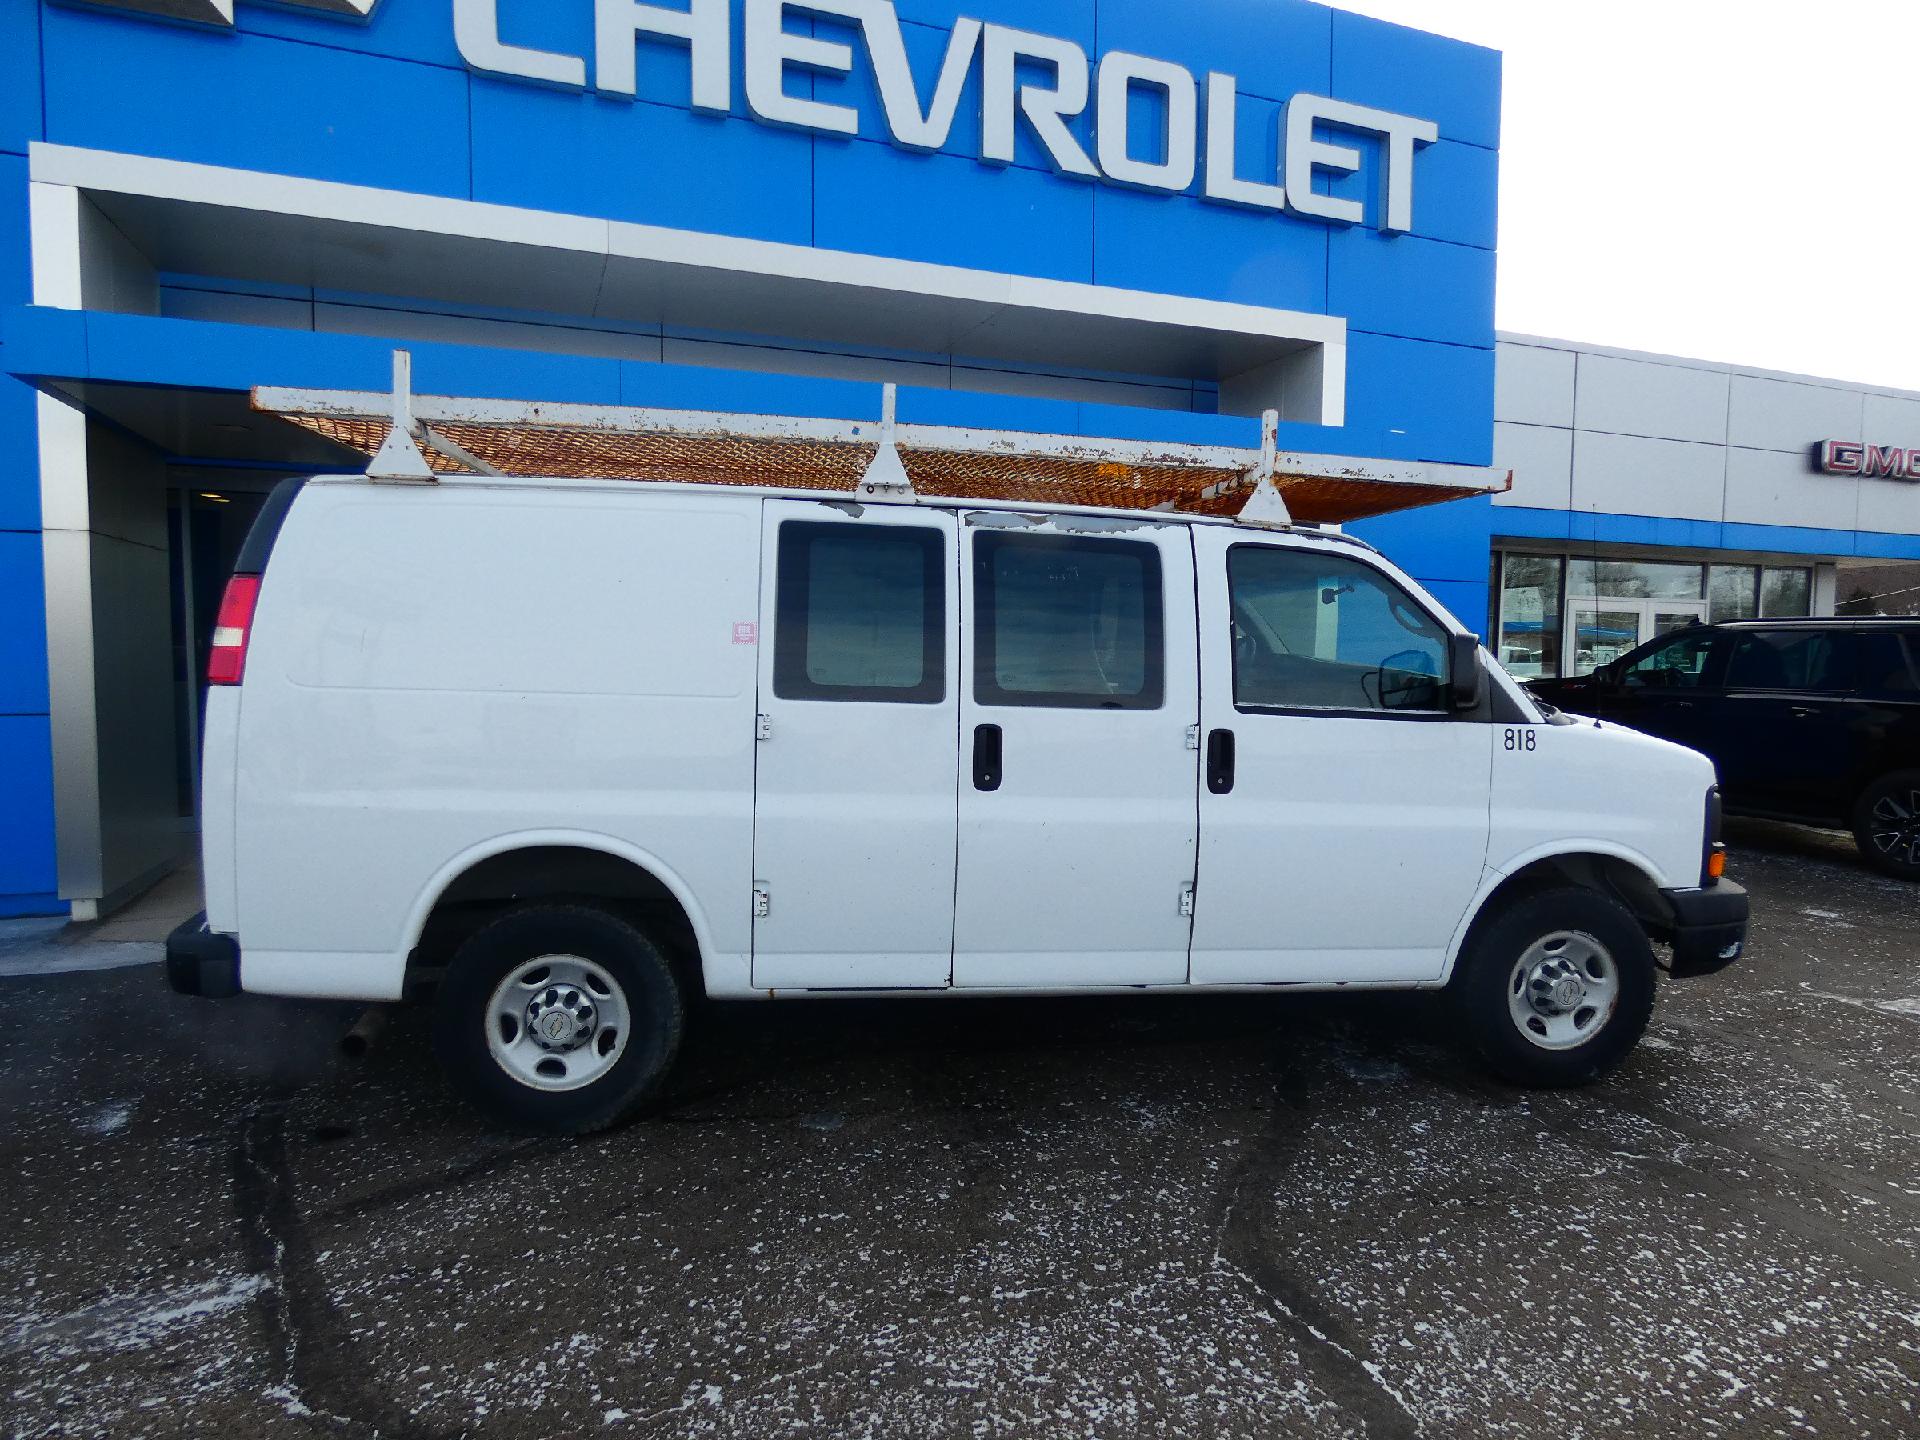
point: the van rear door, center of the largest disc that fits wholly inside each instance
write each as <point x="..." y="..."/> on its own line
<point x="854" y="797"/>
<point x="1077" y="792"/>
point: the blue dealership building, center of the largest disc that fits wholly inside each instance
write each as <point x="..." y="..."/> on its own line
<point x="1109" y="218"/>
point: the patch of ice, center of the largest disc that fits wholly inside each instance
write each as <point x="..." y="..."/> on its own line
<point x="134" y="1322"/>
<point x="109" y="1118"/>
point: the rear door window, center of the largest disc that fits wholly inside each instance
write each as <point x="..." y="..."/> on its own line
<point x="1800" y="661"/>
<point x="1885" y="666"/>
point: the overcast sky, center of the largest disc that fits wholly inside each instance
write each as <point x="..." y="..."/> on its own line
<point x="1730" y="180"/>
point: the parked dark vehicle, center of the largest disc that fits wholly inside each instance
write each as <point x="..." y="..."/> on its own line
<point x="1816" y="721"/>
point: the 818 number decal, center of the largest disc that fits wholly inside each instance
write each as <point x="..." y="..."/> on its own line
<point x="1518" y="739"/>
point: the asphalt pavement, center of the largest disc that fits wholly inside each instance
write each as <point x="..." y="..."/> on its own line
<point x="1270" y="1217"/>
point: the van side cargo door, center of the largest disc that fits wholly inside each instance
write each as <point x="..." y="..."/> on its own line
<point x="854" y="795"/>
<point x="1078" y="775"/>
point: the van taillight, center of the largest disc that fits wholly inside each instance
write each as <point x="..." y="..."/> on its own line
<point x="227" y="657"/>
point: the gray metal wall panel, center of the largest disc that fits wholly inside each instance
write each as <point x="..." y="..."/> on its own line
<point x="1533" y="385"/>
<point x="1638" y="397"/>
<point x="1632" y="475"/>
<point x="1787" y="415"/>
<point x="1541" y="459"/>
<point x="1780" y="487"/>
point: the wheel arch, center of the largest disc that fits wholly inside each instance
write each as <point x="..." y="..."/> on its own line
<point x="489" y="877"/>
<point x="1612" y="870"/>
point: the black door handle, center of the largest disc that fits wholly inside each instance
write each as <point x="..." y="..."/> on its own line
<point x="1220" y="762"/>
<point x="986" y="757"/>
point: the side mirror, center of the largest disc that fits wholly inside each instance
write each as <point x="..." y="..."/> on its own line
<point x="1466" y="681"/>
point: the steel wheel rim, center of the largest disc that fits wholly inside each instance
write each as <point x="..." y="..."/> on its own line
<point x="557" y="1023"/>
<point x="1895" y="828"/>
<point x="1563" y="990"/>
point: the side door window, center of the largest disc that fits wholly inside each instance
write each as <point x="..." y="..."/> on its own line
<point x="1067" y="622"/>
<point x="1683" y="663"/>
<point x="1322" y="632"/>
<point x="859" y="615"/>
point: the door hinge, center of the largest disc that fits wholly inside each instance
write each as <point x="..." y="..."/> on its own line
<point x="1193" y="737"/>
<point x="1186" y="900"/>
<point x="763" y="727"/>
<point x="762" y="902"/>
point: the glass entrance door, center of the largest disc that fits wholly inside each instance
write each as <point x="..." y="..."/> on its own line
<point x="1602" y="628"/>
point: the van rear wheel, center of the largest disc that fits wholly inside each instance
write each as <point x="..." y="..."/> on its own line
<point x="558" y="1018"/>
<point x="1557" y="987"/>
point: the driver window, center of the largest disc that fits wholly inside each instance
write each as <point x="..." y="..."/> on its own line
<point x="1323" y="632"/>
<point x="1678" y="664"/>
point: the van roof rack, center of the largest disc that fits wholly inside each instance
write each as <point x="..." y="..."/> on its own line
<point x="419" y="439"/>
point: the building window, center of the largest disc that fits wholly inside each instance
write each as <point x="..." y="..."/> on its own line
<point x="1528" y="637"/>
<point x="1785" y="593"/>
<point x="1635" y="580"/>
<point x="1882" y="589"/>
<point x="1733" y="593"/>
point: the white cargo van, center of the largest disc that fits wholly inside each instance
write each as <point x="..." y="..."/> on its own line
<point x="565" y="754"/>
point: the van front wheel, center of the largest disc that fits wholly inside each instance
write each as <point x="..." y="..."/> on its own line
<point x="558" y="1018"/>
<point x="1556" y="987"/>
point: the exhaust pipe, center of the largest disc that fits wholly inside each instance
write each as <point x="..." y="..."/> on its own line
<point x="365" y="1033"/>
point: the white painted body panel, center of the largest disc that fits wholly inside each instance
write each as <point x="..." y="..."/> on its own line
<point x="442" y="674"/>
<point x="1599" y="789"/>
<point x="1350" y="845"/>
<point x="1072" y="871"/>
<point x="434" y="672"/>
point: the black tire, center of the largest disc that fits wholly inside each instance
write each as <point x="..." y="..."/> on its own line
<point x="1886" y="824"/>
<point x="1485" y="986"/>
<point x="647" y="990"/>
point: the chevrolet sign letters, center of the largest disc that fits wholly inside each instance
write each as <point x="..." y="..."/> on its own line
<point x="1045" y="81"/>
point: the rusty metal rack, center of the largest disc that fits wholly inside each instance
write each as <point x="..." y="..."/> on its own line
<point x="419" y="439"/>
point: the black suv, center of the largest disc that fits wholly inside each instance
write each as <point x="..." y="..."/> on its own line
<point x="1810" y="720"/>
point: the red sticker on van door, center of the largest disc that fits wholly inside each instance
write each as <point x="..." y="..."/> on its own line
<point x="745" y="632"/>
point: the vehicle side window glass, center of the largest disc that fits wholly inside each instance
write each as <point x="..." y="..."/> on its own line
<point x="1884" y="667"/>
<point x="1680" y="664"/>
<point x="1793" y="660"/>
<point x="1323" y="632"/>
<point x="1068" y="621"/>
<point x="860" y="614"/>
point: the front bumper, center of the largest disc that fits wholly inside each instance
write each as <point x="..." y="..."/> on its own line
<point x="202" y="962"/>
<point x="1709" y="929"/>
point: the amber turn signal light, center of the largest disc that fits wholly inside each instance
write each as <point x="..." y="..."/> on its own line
<point x="1717" y="863"/>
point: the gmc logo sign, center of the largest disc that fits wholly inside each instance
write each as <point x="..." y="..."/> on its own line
<point x="1871" y="462"/>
